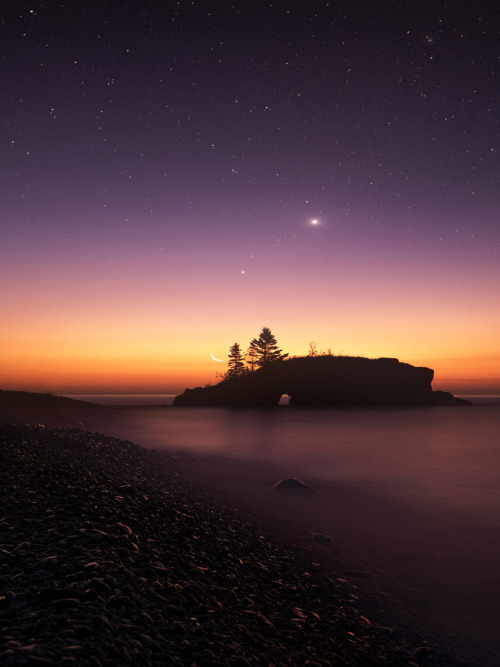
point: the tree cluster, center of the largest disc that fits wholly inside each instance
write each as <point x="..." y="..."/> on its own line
<point x="262" y="351"/>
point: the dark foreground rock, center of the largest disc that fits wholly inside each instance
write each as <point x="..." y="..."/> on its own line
<point x="109" y="557"/>
<point x="29" y="407"/>
<point x="293" y="486"/>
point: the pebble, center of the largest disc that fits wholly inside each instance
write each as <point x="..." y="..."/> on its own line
<point x="109" y="557"/>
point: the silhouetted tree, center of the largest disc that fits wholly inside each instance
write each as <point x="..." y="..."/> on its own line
<point x="236" y="363"/>
<point x="251" y="359"/>
<point x="265" y="348"/>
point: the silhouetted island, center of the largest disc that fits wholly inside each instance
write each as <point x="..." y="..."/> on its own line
<point x="324" y="381"/>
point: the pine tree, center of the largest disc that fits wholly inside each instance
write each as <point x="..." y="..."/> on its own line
<point x="236" y="363"/>
<point x="265" y="348"/>
<point x="251" y="359"/>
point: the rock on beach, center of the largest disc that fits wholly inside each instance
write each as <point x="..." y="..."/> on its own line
<point x="110" y="557"/>
<point x="293" y="487"/>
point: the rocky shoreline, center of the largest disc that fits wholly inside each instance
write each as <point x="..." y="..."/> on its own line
<point x="110" y="556"/>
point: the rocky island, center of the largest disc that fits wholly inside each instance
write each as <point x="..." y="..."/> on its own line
<point x="324" y="381"/>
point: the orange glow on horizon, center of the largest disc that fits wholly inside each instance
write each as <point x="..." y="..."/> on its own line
<point x="65" y="332"/>
<point x="154" y="213"/>
<point x="120" y="367"/>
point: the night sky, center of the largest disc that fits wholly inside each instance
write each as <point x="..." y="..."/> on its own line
<point x="175" y="176"/>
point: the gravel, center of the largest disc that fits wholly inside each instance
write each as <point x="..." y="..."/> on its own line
<point x="110" y="556"/>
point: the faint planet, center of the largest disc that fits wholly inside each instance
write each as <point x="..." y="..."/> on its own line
<point x="215" y="358"/>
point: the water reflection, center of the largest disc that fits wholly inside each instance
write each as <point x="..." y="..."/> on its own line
<point x="435" y="455"/>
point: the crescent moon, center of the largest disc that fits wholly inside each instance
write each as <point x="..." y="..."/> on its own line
<point x="215" y="358"/>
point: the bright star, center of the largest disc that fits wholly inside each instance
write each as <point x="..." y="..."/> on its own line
<point x="314" y="222"/>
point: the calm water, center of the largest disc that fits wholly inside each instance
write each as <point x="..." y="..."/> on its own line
<point x="436" y="456"/>
<point x="414" y="492"/>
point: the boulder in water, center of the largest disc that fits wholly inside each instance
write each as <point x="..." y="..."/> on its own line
<point x="322" y="539"/>
<point x="293" y="487"/>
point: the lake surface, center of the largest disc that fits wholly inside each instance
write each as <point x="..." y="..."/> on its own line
<point x="434" y="456"/>
<point x="416" y="492"/>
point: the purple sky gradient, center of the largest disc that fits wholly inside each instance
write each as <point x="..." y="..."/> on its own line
<point x="155" y="151"/>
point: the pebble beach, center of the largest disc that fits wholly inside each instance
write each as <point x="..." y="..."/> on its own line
<point x="111" y="555"/>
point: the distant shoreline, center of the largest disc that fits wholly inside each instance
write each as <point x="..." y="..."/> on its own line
<point x="167" y="399"/>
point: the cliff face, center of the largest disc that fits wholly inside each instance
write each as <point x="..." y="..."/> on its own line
<point x="357" y="381"/>
<point x="324" y="381"/>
